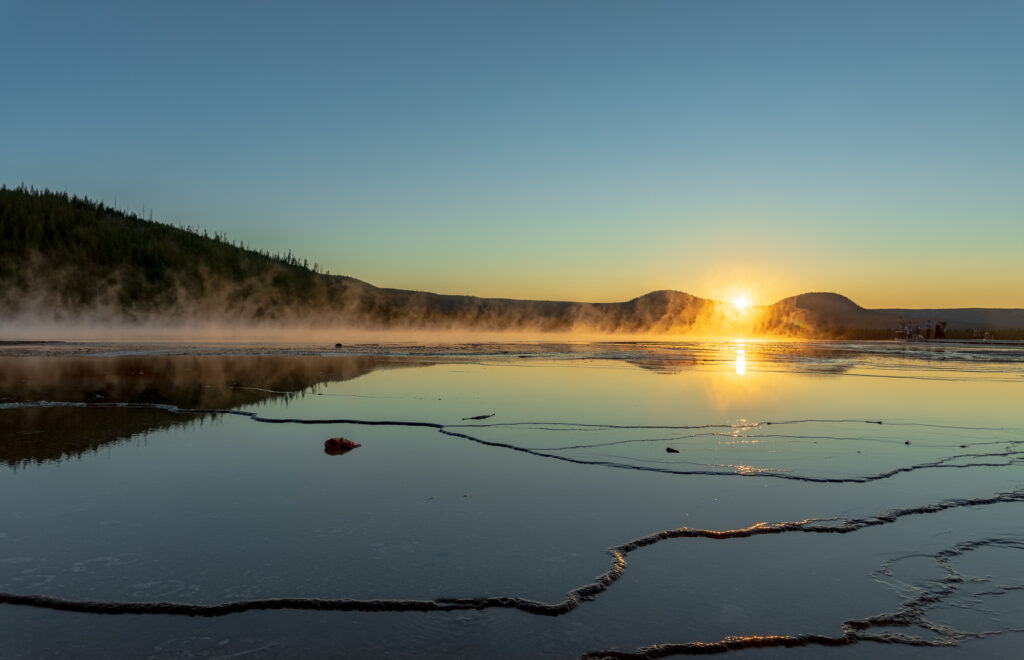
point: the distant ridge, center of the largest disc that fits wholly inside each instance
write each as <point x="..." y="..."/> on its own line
<point x="75" y="261"/>
<point x="823" y="313"/>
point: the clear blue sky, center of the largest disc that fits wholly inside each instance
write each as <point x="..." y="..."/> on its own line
<point x="569" y="150"/>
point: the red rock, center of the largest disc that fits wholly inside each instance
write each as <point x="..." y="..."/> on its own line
<point x="336" y="446"/>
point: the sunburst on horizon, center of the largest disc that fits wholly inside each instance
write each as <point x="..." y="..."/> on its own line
<point x="742" y="302"/>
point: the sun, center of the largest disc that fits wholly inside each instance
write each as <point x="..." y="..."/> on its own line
<point x="741" y="303"/>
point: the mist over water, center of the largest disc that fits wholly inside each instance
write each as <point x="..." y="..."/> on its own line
<point x="543" y="499"/>
<point x="289" y="304"/>
<point x="577" y="322"/>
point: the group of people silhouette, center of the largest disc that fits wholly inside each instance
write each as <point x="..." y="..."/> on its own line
<point x="913" y="331"/>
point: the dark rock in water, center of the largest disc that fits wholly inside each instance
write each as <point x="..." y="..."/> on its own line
<point x="338" y="446"/>
<point x="669" y="450"/>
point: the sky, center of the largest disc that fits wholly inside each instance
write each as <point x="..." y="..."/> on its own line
<point x="562" y="150"/>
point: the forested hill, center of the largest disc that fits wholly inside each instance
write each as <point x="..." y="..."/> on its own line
<point x="66" y="255"/>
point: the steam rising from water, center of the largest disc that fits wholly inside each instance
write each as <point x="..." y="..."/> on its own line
<point x="361" y="312"/>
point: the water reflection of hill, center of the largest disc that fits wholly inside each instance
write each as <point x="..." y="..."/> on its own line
<point x="38" y="435"/>
<point x="199" y="382"/>
<point x="666" y="365"/>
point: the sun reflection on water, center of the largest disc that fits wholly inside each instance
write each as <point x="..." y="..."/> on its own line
<point x="741" y="361"/>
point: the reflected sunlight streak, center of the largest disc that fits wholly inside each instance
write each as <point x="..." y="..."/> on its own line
<point x="741" y="361"/>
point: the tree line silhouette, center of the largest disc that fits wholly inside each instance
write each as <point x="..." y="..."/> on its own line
<point x="84" y="247"/>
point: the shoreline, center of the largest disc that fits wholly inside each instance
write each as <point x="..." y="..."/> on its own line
<point x="610" y="348"/>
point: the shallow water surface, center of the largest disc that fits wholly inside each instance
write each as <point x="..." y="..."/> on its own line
<point x="519" y="500"/>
